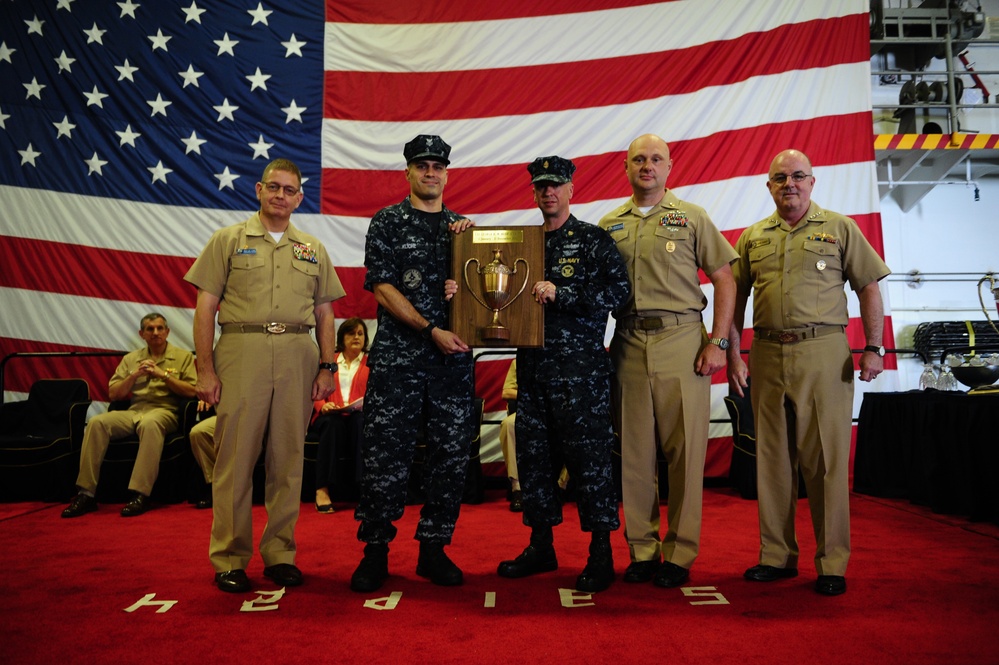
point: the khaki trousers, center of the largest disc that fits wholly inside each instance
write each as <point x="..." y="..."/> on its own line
<point x="265" y="405"/>
<point x="802" y="405"/>
<point x="658" y="397"/>
<point x="203" y="447"/>
<point x="151" y="425"/>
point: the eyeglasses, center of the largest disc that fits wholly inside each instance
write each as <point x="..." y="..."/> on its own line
<point x="781" y="178"/>
<point x="274" y="188"/>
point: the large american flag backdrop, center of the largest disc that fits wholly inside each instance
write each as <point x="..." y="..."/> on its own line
<point x="130" y="131"/>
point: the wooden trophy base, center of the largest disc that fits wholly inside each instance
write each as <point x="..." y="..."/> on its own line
<point x="522" y="249"/>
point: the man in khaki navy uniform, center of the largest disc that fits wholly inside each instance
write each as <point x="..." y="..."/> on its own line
<point x="664" y="360"/>
<point x="796" y="262"/>
<point x="158" y="377"/>
<point x="271" y="284"/>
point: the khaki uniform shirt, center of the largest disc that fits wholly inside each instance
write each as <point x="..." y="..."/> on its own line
<point x="797" y="275"/>
<point x="259" y="280"/>
<point x="663" y="250"/>
<point x="150" y="392"/>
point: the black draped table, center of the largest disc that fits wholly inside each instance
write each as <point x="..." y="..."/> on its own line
<point x="939" y="449"/>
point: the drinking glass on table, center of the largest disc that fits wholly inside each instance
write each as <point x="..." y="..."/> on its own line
<point x="928" y="379"/>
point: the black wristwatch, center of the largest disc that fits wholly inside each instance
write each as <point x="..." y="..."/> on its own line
<point x="720" y="342"/>
<point x="330" y="366"/>
<point x="428" y="332"/>
<point x="880" y="350"/>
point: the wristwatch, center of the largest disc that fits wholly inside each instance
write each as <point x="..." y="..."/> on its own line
<point x="720" y="342"/>
<point x="880" y="350"/>
<point x="428" y="331"/>
<point x="330" y="366"/>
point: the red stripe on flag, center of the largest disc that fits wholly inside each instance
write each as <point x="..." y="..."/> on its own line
<point x="357" y="302"/>
<point x="20" y="372"/>
<point x="95" y="273"/>
<point x="595" y="83"/>
<point x="111" y="274"/>
<point x="721" y="156"/>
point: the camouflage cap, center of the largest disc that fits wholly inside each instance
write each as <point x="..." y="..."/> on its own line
<point x="427" y="146"/>
<point x="551" y="169"/>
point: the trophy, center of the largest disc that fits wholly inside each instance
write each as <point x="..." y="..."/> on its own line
<point x="496" y="289"/>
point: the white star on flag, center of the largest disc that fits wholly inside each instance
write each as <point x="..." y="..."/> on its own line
<point x="258" y="80"/>
<point x="226" y="179"/>
<point x="160" y="40"/>
<point x="260" y="148"/>
<point x="125" y="71"/>
<point x="192" y="13"/>
<point x="226" y="45"/>
<point x="64" y="128"/>
<point x="128" y="7"/>
<point x="28" y="155"/>
<point x="95" y="34"/>
<point x="6" y="52"/>
<point x="193" y="143"/>
<point x="191" y="77"/>
<point x="95" y="97"/>
<point x="259" y="14"/>
<point x="34" y="88"/>
<point x="158" y="105"/>
<point x="226" y="110"/>
<point x="127" y="136"/>
<point x="293" y="46"/>
<point x="294" y="112"/>
<point x="94" y="165"/>
<point x="35" y="26"/>
<point x="159" y="172"/>
<point x="65" y="62"/>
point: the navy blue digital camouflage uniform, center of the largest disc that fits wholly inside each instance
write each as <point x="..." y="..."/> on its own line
<point x="563" y="399"/>
<point x="413" y="388"/>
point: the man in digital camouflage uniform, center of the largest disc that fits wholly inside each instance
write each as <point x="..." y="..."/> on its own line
<point x="795" y="264"/>
<point x="563" y="402"/>
<point x="421" y="374"/>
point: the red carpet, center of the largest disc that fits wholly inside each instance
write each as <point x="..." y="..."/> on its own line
<point x="922" y="589"/>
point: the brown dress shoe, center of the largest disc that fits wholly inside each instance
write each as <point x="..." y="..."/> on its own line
<point x="81" y="505"/>
<point x="136" y="506"/>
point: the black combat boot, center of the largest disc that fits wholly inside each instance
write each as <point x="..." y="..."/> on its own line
<point x="599" y="571"/>
<point x="435" y="565"/>
<point x="372" y="572"/>
<point x="538" y="557"/>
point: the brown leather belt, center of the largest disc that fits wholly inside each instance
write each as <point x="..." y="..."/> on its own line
<point x="272" y="328"/>
<point x="656" y="322"/>
<point x="795" y="335"/>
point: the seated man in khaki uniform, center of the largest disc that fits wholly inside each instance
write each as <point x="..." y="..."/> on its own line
<point x="159" y="378"/>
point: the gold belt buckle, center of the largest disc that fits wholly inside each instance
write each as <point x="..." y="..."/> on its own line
<point x="276" y="328"/>
<point x="787" y="337"/>
<point x="650" y="323"/>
